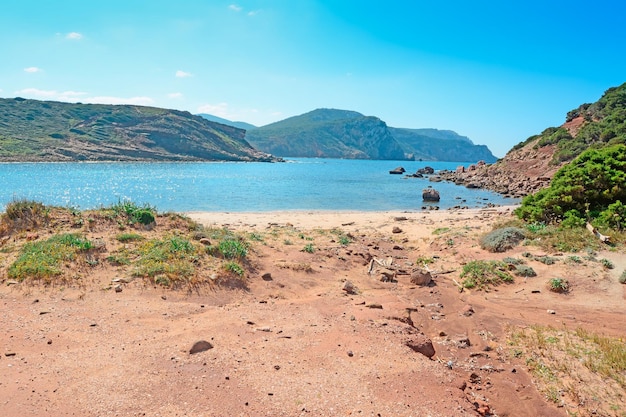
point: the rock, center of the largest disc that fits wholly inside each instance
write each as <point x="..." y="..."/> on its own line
<point x="551" y="312"/>
<point x="374" y="305"/>
<point x="200" y="346"/>
<point x="463" y="342"/>
<point x="263" y="329"/>
<point x="397" y="171"/>
<point x="396" y="229"/>
<point x="426" y="170"/>
<point x="467" y="311"/>
<point x="421" y="277"/>
<point x="350" y="353"/>
<point x="205" y="241"/>
<point x="118" y="288"/>
<point x="349" y="288"/>
<point x="387" y="275"/>
<point x="422" y="344"/>
<point x="430" y="194"/>
<point x="266" y="276"/>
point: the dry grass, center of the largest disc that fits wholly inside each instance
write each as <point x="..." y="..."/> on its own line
<point x="582" y="371"/>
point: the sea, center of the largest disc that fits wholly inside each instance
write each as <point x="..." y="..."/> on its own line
<point x="298" y="184"/>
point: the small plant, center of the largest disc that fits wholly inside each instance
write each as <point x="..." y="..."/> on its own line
<point x="547" y="260"/>
<point x="234" y="267"/>
<point x="536" y="227"/>
<point x="441" y="230"/>
<point x="135" y="214"/>
<point x="607" y="264"/>
<point x="118" y="259"/>
<point x="344" y="240"/>
<point x="128" y="237"/>
<point x="309" y="248"/>
<point x="524" y="271"/>
<point x="622" y="278"/>
<point x="424" y="260"/>
<point x="256" y="237"/>
<point x="232" y="249"/>
<point x="559" y="285"/>
<point x="288" y="242"/>
<point x="513" y="261"/>
<point x="574" y="259"/>
<point x="484" y="274"/>
<point x="501" y="240"/>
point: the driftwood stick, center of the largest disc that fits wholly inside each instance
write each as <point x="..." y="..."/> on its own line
<point x="603" y="238"/>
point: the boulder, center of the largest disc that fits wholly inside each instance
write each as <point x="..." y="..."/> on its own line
<point x="421" y="277"/>
<point x="422" y="344"/>
<point x="397" y="171"/>
<point x="426" y="171"/>
<point x="430" y="194"/>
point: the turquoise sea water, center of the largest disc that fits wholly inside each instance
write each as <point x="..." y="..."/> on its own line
<point x="299" y="184"/>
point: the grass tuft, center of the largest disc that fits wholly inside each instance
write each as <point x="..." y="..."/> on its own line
<point x="484" y="274"/>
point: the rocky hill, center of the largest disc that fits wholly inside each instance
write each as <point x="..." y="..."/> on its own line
<point x="440" y="145"/>
<point x="531" y="164"/>
<point x="33" y="130"/>
<point x="332" y="133"/>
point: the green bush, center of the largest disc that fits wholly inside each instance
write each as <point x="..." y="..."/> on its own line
<point x="622" y="278"/>
<point x="582" y="190"/>
<point x="144" y="214"/>
<point x="559" y="285"/>
<point x="24" y="214"/>
<point x="501" y="240"/>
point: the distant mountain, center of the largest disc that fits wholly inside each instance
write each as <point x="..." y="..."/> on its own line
<point x="33" y="130"/>
<point x="440" y="145"/>
<point x="332" y="133"/>
<point x="328" y="133"/>
<point x="238" y="125"/>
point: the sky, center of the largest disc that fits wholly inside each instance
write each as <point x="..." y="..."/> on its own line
<point x="495" y="71"/>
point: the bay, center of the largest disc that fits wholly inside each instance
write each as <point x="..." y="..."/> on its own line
<point x="299" y="184"/>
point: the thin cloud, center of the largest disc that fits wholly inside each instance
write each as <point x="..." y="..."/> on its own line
<point x="175" y="95"/>
<point x="73" y="96"/>
<point x="235" y="7"/>
<point x="37" y="93"/>
<point x="137" y="101"/>
<point x="74" y="36"/>
<point x="220" y="110"/>
<point x="32" y="70"/>
<point x="253" y="12"/>
<point x="183" y="74"/>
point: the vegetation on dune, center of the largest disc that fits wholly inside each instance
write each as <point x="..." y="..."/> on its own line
<point x="501" y="240"/>
<point x="582" y="371"/>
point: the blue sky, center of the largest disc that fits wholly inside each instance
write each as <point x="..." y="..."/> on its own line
<point x="495" y="71"/>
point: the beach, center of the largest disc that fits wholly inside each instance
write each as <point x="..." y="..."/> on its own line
<point x="331" y="319"/>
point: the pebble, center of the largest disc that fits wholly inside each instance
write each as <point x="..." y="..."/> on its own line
<point x="551" y="312"/>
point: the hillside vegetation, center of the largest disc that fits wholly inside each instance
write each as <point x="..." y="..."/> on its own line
<point x="332" y="133"/>
<point x="33" y="130"/>
<point x="530" y="165"/>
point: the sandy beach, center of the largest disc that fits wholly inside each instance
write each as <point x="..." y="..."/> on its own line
<point x="315" y="329"/>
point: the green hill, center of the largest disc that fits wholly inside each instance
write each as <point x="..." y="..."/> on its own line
<point x="440" y="145"/>
<point x="33" y="130"/>
<point x="332" y="133"/>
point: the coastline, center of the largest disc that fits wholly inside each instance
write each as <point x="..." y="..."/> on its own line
<point x="350" y="220"/>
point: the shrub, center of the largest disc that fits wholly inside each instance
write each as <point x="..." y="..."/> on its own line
<point x="234" y="267"/>
<point x="128" y="237"/>
<point x="135" y="214"/>
<point x="501" y="240"/>
<point x="513" y="261"/>
<point x="483" y="274"/>
<point x="622" y="278"/>
<point x="525" y="271"/>
<point x="559" y="285"/>
<point x="607" y="264"/>
<point x="308" y="248"/>
<point x="169" y="260"/>
<point x="586" y="187"/>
